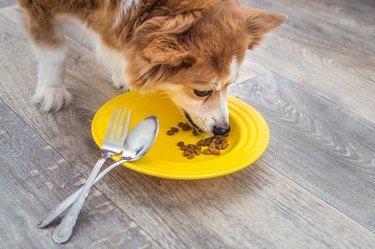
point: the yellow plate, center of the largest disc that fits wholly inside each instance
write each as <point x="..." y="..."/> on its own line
<point x="248" y="138"/>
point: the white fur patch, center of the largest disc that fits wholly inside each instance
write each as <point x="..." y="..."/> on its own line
<point x="224" y="106"/>
<point x="124" y="6"/>
<point x="114" y="61"/>
<point x="51" y="93"/>
<point x="234" y="68"/>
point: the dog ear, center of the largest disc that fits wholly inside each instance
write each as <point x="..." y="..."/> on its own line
<point x="260" y="22"/>
<point x="167" y="50"/>
<point x="158" y="39"/>
<point x="159" y="42"/>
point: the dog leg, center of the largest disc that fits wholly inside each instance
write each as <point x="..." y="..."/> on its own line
<point x="115" y="63"/>
<point x="50" y="50"/>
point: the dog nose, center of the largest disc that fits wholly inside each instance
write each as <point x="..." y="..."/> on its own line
<point x="221" y="129"/>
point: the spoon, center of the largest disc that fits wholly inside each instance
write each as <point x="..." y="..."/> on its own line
<point x="137" y="144"/>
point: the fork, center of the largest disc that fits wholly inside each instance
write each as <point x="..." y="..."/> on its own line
<point x="113" y="145"/>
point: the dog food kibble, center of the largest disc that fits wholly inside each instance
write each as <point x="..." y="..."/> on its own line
<point x="208" y="146"/>
<point x="195" y="133"/>
<point x="200" y="142"/>
<point x="185" y="127"/>
<point x="186" y="153"/>
<point x="191" y="156"/>
<point x="206" y="152"/>
<point x="180" y="144"/>
<point x="170" y="133"/>
<point x="216" y="152"/>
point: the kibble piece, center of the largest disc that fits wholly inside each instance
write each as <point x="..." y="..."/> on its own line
<point x="206" y="152"/>
<point x="217" y="142"/>
<point x="174" y="129"/>
<point x="181" y="124"/>
<point x="224" y="146"/>
<point x="198" y="147"/>
<point x="186" y="127"/>
<point x="195" y="133"/>
<point x="180" y="144"/>
<point x="170" y="133"/>
<point x="218" y="146"/>
<point x="197" y="152"/>
<point x="226" y="135"/>
<point x="190" y="156"/>
<point x="216" y="152"/>
<point x="187" y="153"/>
<point x="200" y="142"/>
<point x="191" y="150"/>
<point x="212" y="145"/>
<point x="211" y="150"/>
<point x="191" y="146"/>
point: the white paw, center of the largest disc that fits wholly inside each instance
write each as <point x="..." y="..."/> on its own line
<point x="120" y="83"/>
<point x="52" y="98"/>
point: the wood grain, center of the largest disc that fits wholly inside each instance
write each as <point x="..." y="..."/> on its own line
<point x="326" y="47"/>
<point x="5" y="3"/>
<point x="255" y="208"/>
<point x="34" y="178"/>
<point x="317" y="144"/>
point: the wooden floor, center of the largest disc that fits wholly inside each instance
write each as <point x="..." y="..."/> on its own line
<point x="313" y="79"/>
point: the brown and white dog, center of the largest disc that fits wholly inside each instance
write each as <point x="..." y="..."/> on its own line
<point x="190" y="49"/>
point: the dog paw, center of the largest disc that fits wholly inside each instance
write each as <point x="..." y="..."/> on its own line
<point x="120" y="83"/>
<point x="52" y="98"/>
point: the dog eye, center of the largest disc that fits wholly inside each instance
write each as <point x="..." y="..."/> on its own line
<point x="202" y="93"/>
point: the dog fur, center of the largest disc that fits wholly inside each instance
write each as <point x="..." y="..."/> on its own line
<point x="174" y="45"/>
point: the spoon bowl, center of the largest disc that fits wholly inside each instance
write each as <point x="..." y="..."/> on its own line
<point x="140" y="139"/>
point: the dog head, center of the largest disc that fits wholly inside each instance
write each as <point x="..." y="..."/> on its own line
<point x="194" y="55"/>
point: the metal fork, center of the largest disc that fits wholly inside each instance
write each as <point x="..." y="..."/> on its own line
<point x="113" y="145"/>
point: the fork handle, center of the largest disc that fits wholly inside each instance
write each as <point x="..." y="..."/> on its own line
<point x="59" y="209"/>
<point x="64" y="230"/>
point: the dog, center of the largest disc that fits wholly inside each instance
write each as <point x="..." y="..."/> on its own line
<point x="190" y="49"/>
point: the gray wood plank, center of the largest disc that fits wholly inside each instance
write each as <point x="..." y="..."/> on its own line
<point x="340" y="25"/>
<point x="326" y="47"/>
<point x="5" y="3"/>
<point x="255" y="208"/>
<point x="34" y="178"/>
<point x="317" y="144"/>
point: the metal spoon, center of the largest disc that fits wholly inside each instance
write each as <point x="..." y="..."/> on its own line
<point x="137" y="144"/>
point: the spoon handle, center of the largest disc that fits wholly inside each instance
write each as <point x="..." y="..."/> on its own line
<point x="59" y="209"/>
<point x="64" y="230"/>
